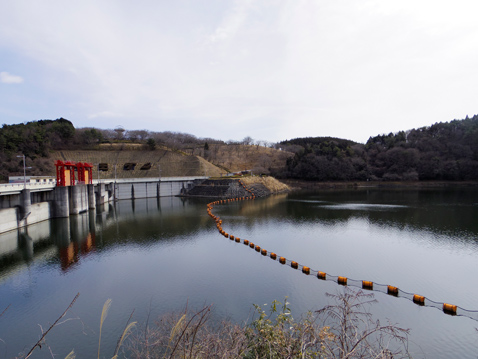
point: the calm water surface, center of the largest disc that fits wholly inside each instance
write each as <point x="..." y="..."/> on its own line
<point x="154" y="256"/>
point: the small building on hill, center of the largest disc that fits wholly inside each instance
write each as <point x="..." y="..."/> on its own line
<point x="32" y="179"/>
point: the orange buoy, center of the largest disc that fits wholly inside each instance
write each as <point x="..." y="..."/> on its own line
<point x="263" y="252"/>
<point x="449" y="308"/>
<point x="246" y="242"/>
<point x="226" y="235"/>
<point x="238" y="240"/>
<point x="258" y="249"/>
<point x="282" y="260"/>
<point x="367" y="285"/>
<point x="392" y="290"/>
<point x="251" y="245"/>
<point x="232" y="237"/>
<point x="342" y="280"/>
<point x="321" y="275"/>
<point x="294" y="265"/>
<point x="306" y="270"/>
<point x="273" y="255"/>
<point x="419" y="299"/>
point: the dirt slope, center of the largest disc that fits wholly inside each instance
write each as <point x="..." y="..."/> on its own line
<point x="141" y="163"/>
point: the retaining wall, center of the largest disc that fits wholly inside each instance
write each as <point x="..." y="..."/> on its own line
<point x="225" y="188"/>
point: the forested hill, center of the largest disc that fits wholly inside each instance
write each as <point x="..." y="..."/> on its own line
<point x="443" y="151"/>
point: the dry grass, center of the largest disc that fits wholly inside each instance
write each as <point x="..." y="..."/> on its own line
<point x="270" y="183"/>
<point x="246" y="157"/>
<point x="165" y="162"/>
<point x="188" y="335"/>
<point x="343" y="330"/>
<point x="217" y="161"/>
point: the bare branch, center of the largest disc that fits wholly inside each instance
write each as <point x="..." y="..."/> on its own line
<point x="52" y="326"/>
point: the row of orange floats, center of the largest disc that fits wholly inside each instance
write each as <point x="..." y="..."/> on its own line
<point x="368" y="285"/>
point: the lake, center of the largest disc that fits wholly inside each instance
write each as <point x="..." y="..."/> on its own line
<point x="154" y="256"/>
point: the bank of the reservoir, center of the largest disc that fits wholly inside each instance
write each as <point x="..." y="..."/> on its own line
<point x="224" y="188"/>
<point x="303" y="184"/>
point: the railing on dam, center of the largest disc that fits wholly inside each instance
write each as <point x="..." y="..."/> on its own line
<point x="11" y="188"/>
<point x="15" y="188"/>
<point x="150" y="179"/>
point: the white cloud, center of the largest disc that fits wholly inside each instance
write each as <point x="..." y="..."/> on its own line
<point x="7" y="78"/>
<point x="270" y="69"/>
<point x="104" y="114"/>
<point x="232" y="22"/>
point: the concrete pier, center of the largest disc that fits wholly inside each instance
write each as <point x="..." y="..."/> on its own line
<point x="60" y="203"/>
<point x="91" y="196"/>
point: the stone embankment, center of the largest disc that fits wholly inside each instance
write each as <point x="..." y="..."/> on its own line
<point x="232" y="188"/>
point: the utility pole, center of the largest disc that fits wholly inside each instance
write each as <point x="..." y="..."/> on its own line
<point x="24" y="172"/>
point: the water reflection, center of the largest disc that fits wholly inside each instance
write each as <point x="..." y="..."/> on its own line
<point x="167" y="252"/>
<point x="449" y="213"/>
<point x="19" y="248"/>
<point x="74" y="237"/>
<point x="444" y="213"/>
<point x="109" y="225"/>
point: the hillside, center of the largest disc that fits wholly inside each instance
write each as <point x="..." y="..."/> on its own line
<point x="140" y="163"/>
<point x="443" y="151"/>
<point x="238" y="157"/>
<point x="133" y="160"/>
<point x="134" y="154"/>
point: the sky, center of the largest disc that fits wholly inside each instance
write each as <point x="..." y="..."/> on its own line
<point x="226" y="69"/>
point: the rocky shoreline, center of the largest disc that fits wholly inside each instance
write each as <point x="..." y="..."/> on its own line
<point x="224" y="188"/>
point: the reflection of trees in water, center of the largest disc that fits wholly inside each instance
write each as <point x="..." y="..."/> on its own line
<point x="443" y="213"/>
<point x="450" y="213"/>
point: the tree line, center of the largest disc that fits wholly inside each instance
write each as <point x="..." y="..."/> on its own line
<point x="37" y="139"/>
<point x="443" y="151"/>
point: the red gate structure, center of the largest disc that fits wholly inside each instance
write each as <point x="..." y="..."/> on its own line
<point x="65" y="173"/>
<point x="85" y="172"/>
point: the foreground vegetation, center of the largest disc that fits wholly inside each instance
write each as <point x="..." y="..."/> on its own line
<point x="342" y="330"/>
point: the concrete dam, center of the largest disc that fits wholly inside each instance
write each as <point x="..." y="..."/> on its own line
<point x="21" y="205"/>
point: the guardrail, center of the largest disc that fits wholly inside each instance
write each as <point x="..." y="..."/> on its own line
<point x="148" y="179"/>
<point x="7" y="188"/>
<point x="11" y="188"/>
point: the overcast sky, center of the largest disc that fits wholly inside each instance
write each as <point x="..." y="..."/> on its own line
<point x="268" y="69"/>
